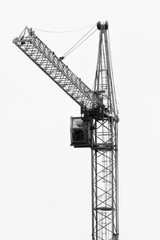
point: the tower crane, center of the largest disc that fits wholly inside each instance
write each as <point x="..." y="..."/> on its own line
<point x="96" y="128"/>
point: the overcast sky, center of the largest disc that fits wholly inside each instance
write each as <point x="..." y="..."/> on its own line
<point x="45" y="190"/>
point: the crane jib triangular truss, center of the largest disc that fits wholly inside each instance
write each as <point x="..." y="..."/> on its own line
<point x="53" y="66"/>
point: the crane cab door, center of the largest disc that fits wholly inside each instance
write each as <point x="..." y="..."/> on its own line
<point x="80" y="133"/>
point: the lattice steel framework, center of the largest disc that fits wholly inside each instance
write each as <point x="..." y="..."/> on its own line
<point x="99" y="108"/>
<point x="105" y="150"/>
<point x="50" y="64"/>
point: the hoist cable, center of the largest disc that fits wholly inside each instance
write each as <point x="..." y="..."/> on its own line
<point x="77" y="44"/>
<point x="66" y="31"/>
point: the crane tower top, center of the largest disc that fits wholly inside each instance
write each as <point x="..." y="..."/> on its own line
<point x="101" y="26"/>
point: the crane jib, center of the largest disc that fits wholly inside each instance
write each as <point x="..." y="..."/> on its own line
<point x="53" y="66"/>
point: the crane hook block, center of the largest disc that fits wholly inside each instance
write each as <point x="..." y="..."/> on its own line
<point x="102" y="26"/>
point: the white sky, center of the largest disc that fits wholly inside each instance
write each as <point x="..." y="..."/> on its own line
<point x="45" y="183"/>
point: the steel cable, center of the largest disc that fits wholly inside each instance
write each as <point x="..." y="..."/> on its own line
<point x="77" y="44"/>
<point x="61" y="32"/>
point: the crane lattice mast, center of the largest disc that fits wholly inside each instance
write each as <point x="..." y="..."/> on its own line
<point x="97" y="128"/>
<point x="105" y="148"/>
